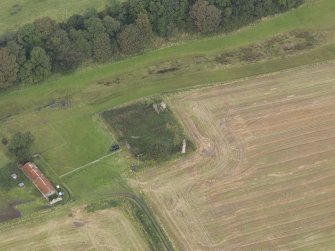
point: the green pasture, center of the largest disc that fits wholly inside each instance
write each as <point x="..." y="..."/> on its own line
<point x="10" y="193"/>
<point x="70" y="137"/>
<point x="98" y="180"/>
<point x="14" y="13"/>
<point x="3" y="159"/>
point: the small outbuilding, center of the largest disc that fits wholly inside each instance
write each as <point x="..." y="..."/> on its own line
<point x="14" y="176"/>
<point x="21" y="184"/>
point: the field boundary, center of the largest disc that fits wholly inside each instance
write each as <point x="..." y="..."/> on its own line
<point x="234" y="81"/>
<point x="144" y="207"/>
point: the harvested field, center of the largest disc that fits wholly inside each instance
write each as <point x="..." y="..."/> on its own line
<point x="262" y="177"/>
<point x="104" y="230"/>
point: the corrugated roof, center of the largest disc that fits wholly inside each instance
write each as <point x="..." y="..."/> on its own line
<point x="38" y="179"/>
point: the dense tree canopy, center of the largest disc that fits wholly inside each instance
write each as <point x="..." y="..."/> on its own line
<point x="20" y="145"/>
<point x="40" y="64"/>
<point x="206" y="17"/>
<point x="8" y="67"/>
<point x="135" y="37"/>
<point x="44" y="46"/>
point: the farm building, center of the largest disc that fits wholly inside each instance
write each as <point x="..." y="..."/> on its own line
<point x="41" y="182"/>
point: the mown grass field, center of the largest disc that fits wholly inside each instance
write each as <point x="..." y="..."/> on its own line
<point x="14" y="13"/>
<point x="72" y="136"/>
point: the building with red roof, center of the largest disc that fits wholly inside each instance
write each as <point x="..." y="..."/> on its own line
<point x="39" y="180"/>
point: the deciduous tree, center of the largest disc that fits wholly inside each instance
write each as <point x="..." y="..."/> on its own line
<point x="102" y="50"/>
<point x="80" y="43"/>
<point x="111" y="25"/>
<point x="64" y="56"/>
<point x="25" y="74"/>
<point x="20" y="145"/>
<point x="28" y="37"/>
<point x="40" y="64"/>
<point x="94" y="26"/>
<point x="45" y="27"/>
<point x="205" y="16"/>
<point x="135" y="37"/>
<point x="8" y="67"/>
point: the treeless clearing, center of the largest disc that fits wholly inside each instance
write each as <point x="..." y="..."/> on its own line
<point x="104" y="230"/>
<point x="263" y="174"/>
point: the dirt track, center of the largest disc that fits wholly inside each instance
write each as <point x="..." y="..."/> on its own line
<point x="263" y="175"/>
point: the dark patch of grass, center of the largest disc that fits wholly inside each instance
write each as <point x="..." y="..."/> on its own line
<point x="59" y="102"/>
<point x="156" y="136"/>
<point x="165" y="67"/>
<point x="16" y="8"/>
<point x="250" y="54"/>
<point x="101" y="204"/>
<point x="166" y="70"/>
<point x="6" y="181"/>
<point x="11" y="195"/>
<point x="277" y="46"/>
<point x="4" y="141"/>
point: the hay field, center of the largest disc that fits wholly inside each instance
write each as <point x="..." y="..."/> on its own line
<point x="104" y="230"/>
<point x="263" y="175"/>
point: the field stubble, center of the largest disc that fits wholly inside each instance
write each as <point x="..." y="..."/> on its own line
<point x="104" y="230"/>
<point x="262" y="176"/>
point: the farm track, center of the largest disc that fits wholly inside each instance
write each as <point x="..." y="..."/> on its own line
<point x="262" y="177"/>
<point x="143" y="206"/>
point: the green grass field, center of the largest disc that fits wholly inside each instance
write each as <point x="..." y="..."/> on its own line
<point x="14" y="13"/>
<point x="70" y="137"/>
<point x="3" y="159"/>
<point x="97" y="180"/>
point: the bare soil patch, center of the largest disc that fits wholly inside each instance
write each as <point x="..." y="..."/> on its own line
<point x="9" y="213"/>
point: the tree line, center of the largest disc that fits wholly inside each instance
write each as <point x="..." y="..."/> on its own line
<point x="45" y="46"/>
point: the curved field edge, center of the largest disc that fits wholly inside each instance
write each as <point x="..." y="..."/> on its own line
<point x="262" y="176"/>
